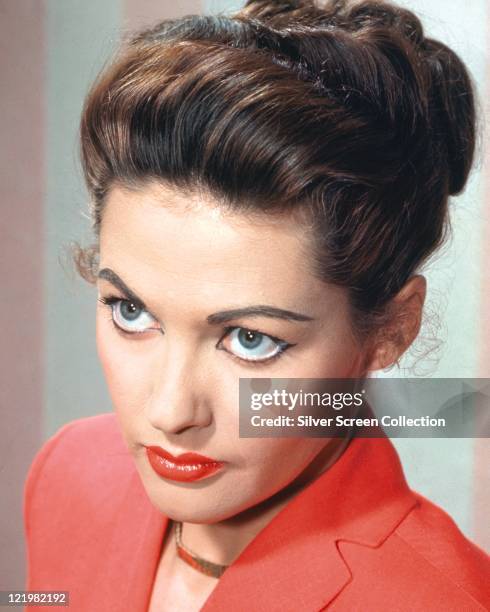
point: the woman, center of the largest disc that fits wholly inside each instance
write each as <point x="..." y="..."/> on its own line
<point x="264" y="189"/>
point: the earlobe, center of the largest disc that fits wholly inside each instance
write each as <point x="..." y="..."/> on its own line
<point x="384" y="355"/>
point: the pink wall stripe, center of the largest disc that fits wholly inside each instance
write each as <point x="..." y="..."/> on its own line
<point x="22" y="75"/>
<point x="481" y="479"/>
<point x="484" y="369"/>
<point x="482" y="493"/>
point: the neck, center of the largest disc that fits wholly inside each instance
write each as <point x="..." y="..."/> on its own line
<point x="224" y="541"/>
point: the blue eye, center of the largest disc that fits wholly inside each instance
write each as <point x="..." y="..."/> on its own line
<point x="129" y="316"/>
<point x="252" y="345"/>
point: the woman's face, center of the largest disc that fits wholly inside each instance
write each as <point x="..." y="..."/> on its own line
<point x="173" y="370"/>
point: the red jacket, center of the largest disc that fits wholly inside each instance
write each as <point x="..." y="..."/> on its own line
<point x="356" y="539"/>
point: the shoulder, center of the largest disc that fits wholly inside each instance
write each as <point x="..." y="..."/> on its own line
<point x="87" y="454"/>
<point x="434" y="540"/>
<point x="80" y="443"/>
<point x="85" y="513"/>
<point x="424" y="562"/>
<point x="406" y="551"/>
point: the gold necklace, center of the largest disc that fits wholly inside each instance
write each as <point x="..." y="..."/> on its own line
<point x="206" y="567"/>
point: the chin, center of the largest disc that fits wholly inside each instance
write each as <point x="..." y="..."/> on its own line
<point x="204" y="514"/>
<point x="194" y="506"/>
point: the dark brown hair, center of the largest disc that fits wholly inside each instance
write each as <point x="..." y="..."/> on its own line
<point x="347" y="113"/>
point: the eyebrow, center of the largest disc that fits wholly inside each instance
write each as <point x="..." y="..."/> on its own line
<point x="259" y="310"/>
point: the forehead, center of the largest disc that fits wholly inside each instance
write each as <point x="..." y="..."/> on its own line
<point x="158" y="238"/>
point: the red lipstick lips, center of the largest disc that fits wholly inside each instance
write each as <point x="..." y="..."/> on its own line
<point x="187" y="467"/>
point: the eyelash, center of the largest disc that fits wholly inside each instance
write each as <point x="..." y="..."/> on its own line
<point x="109" y="301"/>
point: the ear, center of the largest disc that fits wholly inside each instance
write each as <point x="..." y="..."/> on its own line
<point x="393" y="340"/>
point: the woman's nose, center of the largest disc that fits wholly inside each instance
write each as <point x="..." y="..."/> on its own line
<point x="179" y="399"/>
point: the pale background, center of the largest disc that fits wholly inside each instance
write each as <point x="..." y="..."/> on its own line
<point x="50" y="52"/>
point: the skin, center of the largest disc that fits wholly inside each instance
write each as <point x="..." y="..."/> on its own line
<point x="186" y="258"/>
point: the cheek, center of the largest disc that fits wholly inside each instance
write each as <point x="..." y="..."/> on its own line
<point x="275" y="462"/>
<point x="124" y="377"/>
<point x="344" y="363"/>
<point x="338" y="356"/>
<point x="327" y="360"/>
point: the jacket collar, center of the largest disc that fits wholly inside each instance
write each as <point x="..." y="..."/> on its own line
<point x="361" y="498"/>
